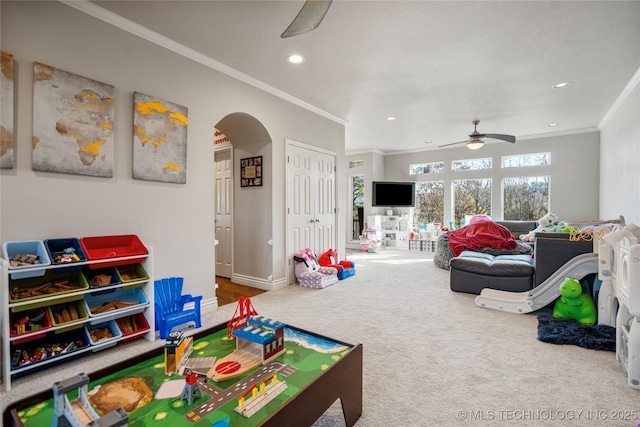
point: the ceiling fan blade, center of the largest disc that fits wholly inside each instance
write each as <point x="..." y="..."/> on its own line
<point x="308" y="19"/>
<point x="508" y="138"/>
<point x="454" y="143"/>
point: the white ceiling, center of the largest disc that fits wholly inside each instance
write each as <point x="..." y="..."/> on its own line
<point x="434" y="65"/>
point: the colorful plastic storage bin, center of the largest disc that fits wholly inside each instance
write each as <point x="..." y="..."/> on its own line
<point x="105" y="247"/>
<point x="114" y="302"/>
<point x="51" y="347"/>
<point x="59" y="254"/>
<point x="25" y="319"/>
<point x="101" y="343"/>
<point x="67" y="313"/>
<point x="34" y="247"/>
<point x="98" y="277"/>
<point x="32" y="288"/>
<point x="133" y="325"/>
<point x="131" y="273"/>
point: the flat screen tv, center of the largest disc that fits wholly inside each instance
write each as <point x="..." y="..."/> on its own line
<point x="394" y="194"/>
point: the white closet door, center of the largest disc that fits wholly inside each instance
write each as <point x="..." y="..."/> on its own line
<point x="300" y="200"/>
<point x="224" y="213"/>
<point x="311" y="198"/>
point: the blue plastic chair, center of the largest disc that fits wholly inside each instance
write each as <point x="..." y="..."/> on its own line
<point x="169" y="305"/>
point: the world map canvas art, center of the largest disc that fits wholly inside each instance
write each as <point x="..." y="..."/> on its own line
<point x="6" y="111"/>
<point x="72" y="123"/>
<point x="159" y="140"/>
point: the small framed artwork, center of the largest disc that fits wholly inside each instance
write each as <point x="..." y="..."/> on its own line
<point x="251" y="172"/>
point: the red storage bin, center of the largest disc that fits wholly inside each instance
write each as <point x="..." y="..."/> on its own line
<point x="105" y="247"/>
<point x="140" y="322"/>
<point x="45" y="323"/>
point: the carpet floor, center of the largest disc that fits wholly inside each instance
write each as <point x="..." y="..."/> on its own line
<point x="431" y="357"/>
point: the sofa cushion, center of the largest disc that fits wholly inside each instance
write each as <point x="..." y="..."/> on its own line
<point x="487" y="264"/>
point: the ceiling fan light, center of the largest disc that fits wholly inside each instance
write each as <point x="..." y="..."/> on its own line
<point x="475" y="144"/>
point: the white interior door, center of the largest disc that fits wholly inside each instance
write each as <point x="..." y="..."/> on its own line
<point x="224" y="213"/>
<point x="325" y="199"/>
<point x="311" y="213"/>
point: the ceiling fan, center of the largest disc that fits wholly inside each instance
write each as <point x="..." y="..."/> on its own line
<point x="308" y="19"/>
<point x="476" y="139"/>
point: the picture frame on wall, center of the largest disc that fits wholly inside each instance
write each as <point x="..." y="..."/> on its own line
<point x="251" y="172"/>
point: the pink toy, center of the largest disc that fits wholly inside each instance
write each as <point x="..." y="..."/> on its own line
<point x="310" y="274"/>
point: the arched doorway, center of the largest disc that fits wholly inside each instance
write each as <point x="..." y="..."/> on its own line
<point x="238" y="136"/>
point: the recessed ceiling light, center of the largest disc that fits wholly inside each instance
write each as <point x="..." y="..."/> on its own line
<point x="391" y="118"/>
<point x="428" y="142"/>
<point x="561" y="85"/>
<point x="296" y="59"/>
<point x="552" y="125"/>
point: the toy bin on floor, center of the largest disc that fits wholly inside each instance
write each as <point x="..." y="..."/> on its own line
<point x="105" y="247"/>
<point x="115" y="303"/>
<point x="133" y="327"/>
<point x="72" y="314"/>
<point x="103" y="335"/>
<point x="65" y="251"/>
<point x="100" y="278"/>
<point x="36" y="288"/>
<point x="29" y="247"/>
<point x="26" y="323"/>
<point x="53" y="347"/>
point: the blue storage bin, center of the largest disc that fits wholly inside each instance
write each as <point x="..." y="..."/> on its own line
<point x="134" y="301"/>
<point x="101" y="344"/>
<point x="56" y="248"/>
<point x="35" y="247"/>
<point x="91" y="274"/>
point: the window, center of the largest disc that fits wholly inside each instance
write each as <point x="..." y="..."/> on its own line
<point x="357" y="205"/>
<point x="471" y="164"/>
<point x="538" y="159"/>
<point x="429" y="202"/>
<point x="419" y="168"/>
<point x="471" y="197"/>
<point x="525" y="198"/>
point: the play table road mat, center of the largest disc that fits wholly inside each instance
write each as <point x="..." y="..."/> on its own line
<point x="152" y="398"/>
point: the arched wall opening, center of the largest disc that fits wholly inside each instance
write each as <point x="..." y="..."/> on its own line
<point x="244" y="208"/>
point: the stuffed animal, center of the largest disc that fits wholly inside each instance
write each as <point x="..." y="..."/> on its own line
<point x="344" y="268"/>
<point x="310" y="274"/>
<point x="546" y="221"/>
<point x="574" y="303"/>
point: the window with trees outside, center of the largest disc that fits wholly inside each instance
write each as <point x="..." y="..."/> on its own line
<point x="357" y="204"/>
<point x="525" y="198"/>
<point x="537" y="159"/>
<point x="471" y="197"/>
<point x="436" y="167"/>
<point x="429" y="203"/>
<point x="471" y="164"/>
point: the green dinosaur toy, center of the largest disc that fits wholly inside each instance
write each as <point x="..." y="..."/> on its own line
<point x="574" y="303"/>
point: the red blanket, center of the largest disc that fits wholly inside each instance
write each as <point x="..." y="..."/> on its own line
<point x="481" y="234"/>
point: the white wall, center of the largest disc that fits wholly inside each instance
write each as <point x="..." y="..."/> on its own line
<point x="620" y="157"/>
<point x="177" y="220"/>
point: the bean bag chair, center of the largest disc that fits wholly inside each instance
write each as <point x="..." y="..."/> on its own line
<point x="311" y="275"/>
<point x="344" y="268"/>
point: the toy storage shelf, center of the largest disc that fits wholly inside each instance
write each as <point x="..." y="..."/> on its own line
<point x="145" y="307"/>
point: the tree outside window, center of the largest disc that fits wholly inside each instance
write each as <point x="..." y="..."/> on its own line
<point x="525" y="198"/>
<point x="429" y="202"/>
<point x="471" y="197"/>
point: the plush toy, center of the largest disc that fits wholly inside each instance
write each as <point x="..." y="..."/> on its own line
<point x="344" y="268"/>
<point x="546" y="221"/>
<point x="574" y="303"/>
<point x="310" y="274"/>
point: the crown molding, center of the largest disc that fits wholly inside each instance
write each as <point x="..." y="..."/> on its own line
<point x="621" y="98"/>
<point x="131" y="27"/>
